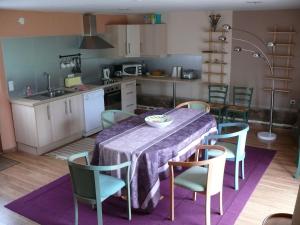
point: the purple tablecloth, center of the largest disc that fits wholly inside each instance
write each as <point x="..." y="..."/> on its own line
<point x="150" y="164"/>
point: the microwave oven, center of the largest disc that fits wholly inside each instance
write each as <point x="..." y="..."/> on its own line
<point x="131" y="69"/>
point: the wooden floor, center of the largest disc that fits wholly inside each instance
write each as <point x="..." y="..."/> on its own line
<point x="276" y="191"/>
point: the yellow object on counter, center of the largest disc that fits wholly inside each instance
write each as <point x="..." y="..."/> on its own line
<point x="72" y="81"/>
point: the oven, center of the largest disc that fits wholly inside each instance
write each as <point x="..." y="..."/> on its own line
<point x="112" y="97"/>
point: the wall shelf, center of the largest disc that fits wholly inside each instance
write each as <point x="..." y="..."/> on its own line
<point x="278" y="78"/>
<point x="215" y="73"/>
<point x="278" y="90"/>
<point x="213" y="52"/>
<point x="281" y="60"/>
<point x="215" y="63"/>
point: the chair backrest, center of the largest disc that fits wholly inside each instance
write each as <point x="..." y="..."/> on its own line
<point x="199" y="105"/>
<point x="82" y="176"/>
<point x="242" y="96"/>
<point x="241" y="134"/>
<point x="217" y="93"/>
<point x="111" y="117"/>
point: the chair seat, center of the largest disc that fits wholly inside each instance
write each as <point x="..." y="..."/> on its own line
<point x="229" y="147"/>
<point x="216" y="106"/>
<point x="237" y="108"/>
<point x="193" y="178"/>
<point x="109" y="185"/>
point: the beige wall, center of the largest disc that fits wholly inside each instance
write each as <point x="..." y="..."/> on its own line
<point x="248" y="71"/>
<point x="37" y="24"/>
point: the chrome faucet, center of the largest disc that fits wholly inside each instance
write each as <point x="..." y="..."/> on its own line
<point x="48" y="81"/>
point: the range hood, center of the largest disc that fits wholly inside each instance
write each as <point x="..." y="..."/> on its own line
<point x="90" y="39"/>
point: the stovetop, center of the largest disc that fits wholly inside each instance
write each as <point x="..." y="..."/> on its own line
<point x="105" y="82"/>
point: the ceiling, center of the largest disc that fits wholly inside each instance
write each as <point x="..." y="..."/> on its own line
<point x="143" y="6"/>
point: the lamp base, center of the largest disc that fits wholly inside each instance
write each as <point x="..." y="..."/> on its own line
<point x="266" y="136"/>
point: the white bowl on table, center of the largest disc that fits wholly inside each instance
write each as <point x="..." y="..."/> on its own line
<point x="158" y="121"/>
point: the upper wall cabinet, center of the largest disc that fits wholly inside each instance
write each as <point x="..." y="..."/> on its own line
<point x="153" y="39"/>
<point x="137" y="40"/>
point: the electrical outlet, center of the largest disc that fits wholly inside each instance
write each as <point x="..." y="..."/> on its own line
<point x="11" y="85"/>
<point x="292" y="101"/>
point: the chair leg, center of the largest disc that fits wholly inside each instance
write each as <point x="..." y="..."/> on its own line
<point x="129" y="200"/>
<point x="221" y="202"/>
<point x="236" y="176"/>
<point x="194" y="196"/>
<point x="207" y="210"/>
<point x="243" y="169"/>
<point x="99" y="213"/>
<point x="172" y="217"/>
<point x="76" y="211"/>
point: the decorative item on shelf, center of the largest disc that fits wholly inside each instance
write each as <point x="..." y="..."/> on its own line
<point x="260" y="54"/>
<point x="214" y="20"/>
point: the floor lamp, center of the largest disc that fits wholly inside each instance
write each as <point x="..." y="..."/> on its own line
<point x="260" y="54"/>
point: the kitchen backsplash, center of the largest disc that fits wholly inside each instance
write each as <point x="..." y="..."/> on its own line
<point x="26" y="59"/>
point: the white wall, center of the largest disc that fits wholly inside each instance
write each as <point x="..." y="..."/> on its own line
<point x="186" y="34"/>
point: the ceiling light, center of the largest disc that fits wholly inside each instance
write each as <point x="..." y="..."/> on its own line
<point x="222" y="38"/>
<point x="271" y="44"/>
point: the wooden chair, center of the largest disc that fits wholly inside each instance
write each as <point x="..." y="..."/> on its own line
<point x="235" y="151"/>
<point x="217" y="95"/>
<point x="111" y="117"/>
<point x="201" y="176"/>
<point x="90" y="186"/>
<point x="242" y="97"/>
<point x="203" y="106"/>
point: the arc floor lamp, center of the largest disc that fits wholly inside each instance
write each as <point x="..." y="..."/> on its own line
<point x="257" y="52"/>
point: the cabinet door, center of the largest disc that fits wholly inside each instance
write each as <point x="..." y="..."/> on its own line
<point x="116" y="35"/>
<point x="59" y="113"/>
<point x="128" y="95"/>
<point x="43" y="124"/>
<point x="75" y="107"/>
<point x="153" y="40"/>
<point x="133" y="41"/>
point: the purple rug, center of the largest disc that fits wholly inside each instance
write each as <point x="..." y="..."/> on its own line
<point x="53" y="203"/>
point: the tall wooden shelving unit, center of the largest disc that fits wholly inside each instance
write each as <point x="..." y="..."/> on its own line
<point x="281" y="60"/>
<point x="215" y="60"/>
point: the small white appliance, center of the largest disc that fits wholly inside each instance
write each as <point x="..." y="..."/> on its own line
<point x="93" y="105"/>
<point x="132" y="69"/>
<point x="106" y="73"/>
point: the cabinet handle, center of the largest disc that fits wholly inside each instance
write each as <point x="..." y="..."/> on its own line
<point x="129" y="48"/>
<point x="130" y="92"/>
<point x="48" y="112"/>
<point x="70" y="105"/>
<point x="66" y="108"/>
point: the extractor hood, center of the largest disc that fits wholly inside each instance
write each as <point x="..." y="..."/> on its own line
<point x="90" y="39"/>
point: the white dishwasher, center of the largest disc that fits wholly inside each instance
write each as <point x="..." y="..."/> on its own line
<point x="93" y="105"/>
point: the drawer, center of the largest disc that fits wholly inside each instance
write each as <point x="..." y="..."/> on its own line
<point x="130" y="107"/>
<point x="129" y="86"/>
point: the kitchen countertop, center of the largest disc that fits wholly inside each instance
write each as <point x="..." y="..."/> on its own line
<point x="91" y="87"/>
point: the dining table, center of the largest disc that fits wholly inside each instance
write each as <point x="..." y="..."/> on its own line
<point x="150" y="148"/>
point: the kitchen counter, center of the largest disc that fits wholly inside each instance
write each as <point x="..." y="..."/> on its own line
<point x="94" y="86"/>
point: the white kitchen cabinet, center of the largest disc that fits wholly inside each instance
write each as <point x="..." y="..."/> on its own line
<point x="137" y="40"/>
<point x="153" y="40"/>
<point x="125" y="39"/>
<point x="60" y="119"/>
<point x="43" y="124"/>
<point x="43" y="127"/>
<point x="128" y="96"/>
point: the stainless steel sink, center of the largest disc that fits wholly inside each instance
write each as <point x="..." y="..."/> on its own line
<point x="49" y="94"/>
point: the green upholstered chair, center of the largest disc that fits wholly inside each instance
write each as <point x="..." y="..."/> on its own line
<point x="217" y="95"/>
<point x="93" y="187"/>
<point x="199" y="105"/>
<point x="111" y="117"/>
<point x="200" y="177"/>
<point x="242" y="97"/>
<point x="235" y="151"/>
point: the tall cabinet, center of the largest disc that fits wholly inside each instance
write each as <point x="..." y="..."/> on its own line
<point x="137" y="40"/>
